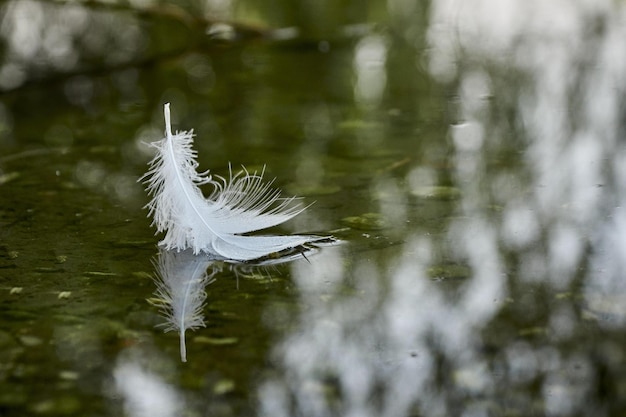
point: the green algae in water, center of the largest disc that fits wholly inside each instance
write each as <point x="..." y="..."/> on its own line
<point x="450" y="271"/>
<point x="8" y="177"/>
<point x="216" y="341"/>
<point x="31" y="341"/>
<point x="224" y="386"/>
<point x="64" y="295"/>
<point x="437" y="192"/>
<point x="99" y="274"/>
<point x="48" y="270"/>
<point x="366" y="221"/>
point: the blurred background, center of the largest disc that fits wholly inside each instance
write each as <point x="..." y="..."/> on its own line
<point x="471" y="158"/>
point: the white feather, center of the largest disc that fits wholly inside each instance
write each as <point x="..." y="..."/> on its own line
<point x="240" y="204"/>
<point x="181" y="279"/>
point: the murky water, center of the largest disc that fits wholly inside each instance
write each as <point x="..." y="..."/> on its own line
<point x="469" y="158"/>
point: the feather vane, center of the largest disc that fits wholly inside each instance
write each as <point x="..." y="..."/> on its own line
<point x="216" y="225"/>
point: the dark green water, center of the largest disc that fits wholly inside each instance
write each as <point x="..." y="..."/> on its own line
<point x="470" y="160"/>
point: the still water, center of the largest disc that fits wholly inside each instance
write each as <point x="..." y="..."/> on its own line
<point x="469" y="158"/>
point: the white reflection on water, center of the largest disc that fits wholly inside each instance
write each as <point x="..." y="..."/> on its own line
<point x="369" y="67"/>
<point x="539" y="159"/>
<point x="41" y="37"/>
<point x="380" y="341"/>
<point x="144" y="393"/>
<point x="574" y="56"/>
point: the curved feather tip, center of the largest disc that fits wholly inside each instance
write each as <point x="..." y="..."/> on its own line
<point x="240" y="204"/>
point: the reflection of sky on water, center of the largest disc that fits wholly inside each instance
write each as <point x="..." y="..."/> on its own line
<point x="143" y="392"/>
<point x="543" y="82"/>
<point x="42" y="37"/>
<point x="369" y="68"/>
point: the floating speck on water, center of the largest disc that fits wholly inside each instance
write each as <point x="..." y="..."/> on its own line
<point x="68" y="375"/>
<point x="70" y="185"/>
<point x="8" y="177"/>
<point x="244" y="295"/>
<point x="48" y="270"/>
<point x="30" y="341"/>
<point x="99" y="274"/>
<point x="437" y="192"/>
<point x="339" y="231"/>
<point x="568" y="295"/>
<point x="450" y="271"/>
<point x="224" y="387"/>
<point x="13" y="254"/>
<point x="69" y="319"/>
<point x="16" y="290"/>
<point x="259" y="277"/>
<point x="216" y="341"/>
<point x="471" y="378"/>
<point x="61" y="259"/>
<point x="367" y="221"/>
<point x="64" y="295"/>
<point x="533" y="331"/>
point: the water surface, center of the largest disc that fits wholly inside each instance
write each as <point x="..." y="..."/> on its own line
<point x="470" y="159"/>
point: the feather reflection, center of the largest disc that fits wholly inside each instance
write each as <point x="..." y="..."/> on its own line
<point x="182" y="277"/>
